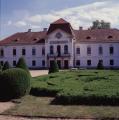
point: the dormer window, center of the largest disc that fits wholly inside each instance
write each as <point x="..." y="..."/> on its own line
<point x="109" y="37"/>
<point x="88" y="37"/>
<point x="34" y="39"/>
<point x="41" y="41"/>
<point x="15" y="40"/>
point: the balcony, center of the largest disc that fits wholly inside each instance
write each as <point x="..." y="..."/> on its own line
<point x="56" y="55"/>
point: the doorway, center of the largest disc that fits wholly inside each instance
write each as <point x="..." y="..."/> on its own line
<point x="59" y="63"/>
<point x="59" y="50"/>
<point x="66" y="64"/>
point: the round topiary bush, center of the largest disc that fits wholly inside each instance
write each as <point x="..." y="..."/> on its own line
<point x="22" y="64"/>
<point x="6" y="66"/>
<point x="14" y="83"/>
<point x="53" y="67"/>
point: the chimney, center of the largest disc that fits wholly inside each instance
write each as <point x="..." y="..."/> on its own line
<point x="80" y="28"/>
<point x="44" y="29"/>
<point x="29" y="30"/>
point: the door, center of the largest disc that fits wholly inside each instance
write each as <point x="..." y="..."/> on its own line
<point x="59" y="50"/>
<point x="66" y="64"/>
<point x="59" y="63"/>
<point x="51" y="62"/>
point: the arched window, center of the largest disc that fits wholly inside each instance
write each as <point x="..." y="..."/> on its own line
<point x="51" y="49"/>
<point x="1" y="52"/>
<point x="59" y="50"/>
<point x="88" y="50"/>
<point x="66" y="49"/>
<point x="100" y="50"/>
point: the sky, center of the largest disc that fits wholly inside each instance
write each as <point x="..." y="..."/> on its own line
<point x="21" y="15"/>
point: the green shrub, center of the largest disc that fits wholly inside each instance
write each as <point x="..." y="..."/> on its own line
<point x="22" y="64"/>
<point x="86" y="99"/>
<point x="14" y="83"/>
<point x="6" y="66"/>
<point x="100" y="65"/>
<point x="0" y="67"/>
<point x="54" y="67"/>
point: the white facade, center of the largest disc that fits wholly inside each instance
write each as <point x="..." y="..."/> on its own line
<point x="38" y="57"/>
<point x="95" y="56"/>
<point x="64" y="50"/>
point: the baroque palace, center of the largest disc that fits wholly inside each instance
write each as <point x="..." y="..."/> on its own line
<point x="69" y="47"/>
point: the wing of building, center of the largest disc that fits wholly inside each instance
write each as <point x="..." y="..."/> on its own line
<point x="60" y="42"/>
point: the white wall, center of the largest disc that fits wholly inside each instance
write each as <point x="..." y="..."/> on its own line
<point x="8" y="54"/>
<point x="95" y="57"/>
<point x="66" y="38"/>
<point x="83" y="57"/>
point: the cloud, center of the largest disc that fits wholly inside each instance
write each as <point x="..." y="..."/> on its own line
<point x="20" y="24"/>
<point x="107" y="10"/>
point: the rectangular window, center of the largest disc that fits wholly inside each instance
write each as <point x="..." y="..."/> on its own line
<point x="33" y="51"/>
<point x="77" y="62"/>
<point x="14" y="52"/>
<point x="1" y="52"/>
<point x="23" y="52"/>
<point x="43" y="63"/>
<point x="100" y="50"/>
<point x="78" y="51"/>
<point x="33" y="63"/>
<point x="111" y="62"/>
<point x="88" y="62"/>
<point x="14" y="63"/>
<point x="111" y="49"/>
<point x="89" y="50"/>
<point x="43" y="51"/>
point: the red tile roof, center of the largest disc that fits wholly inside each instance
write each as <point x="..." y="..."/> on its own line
<point x="25" y="38"/>
<point x="97" y="35"/>
<point x="93" y="35"/>
<point x="60" y="21"/>
<point x="60" y="24"/>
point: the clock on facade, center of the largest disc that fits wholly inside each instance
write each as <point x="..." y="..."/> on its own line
<point x="58" y="35"/>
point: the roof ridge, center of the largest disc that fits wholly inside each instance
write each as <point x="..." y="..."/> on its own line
<point x="60" y="21"/>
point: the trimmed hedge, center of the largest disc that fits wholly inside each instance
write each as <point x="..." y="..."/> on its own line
<point x="14" y="83"/>
<point x="83" y="99"/>
<point x="6" y="66"/>
<point x="0" y="67"/>
<point x="43" y="92"/>
<point x="54" y="67"/>
<point x="22" y="64"/>
<point x="100" y="65"/>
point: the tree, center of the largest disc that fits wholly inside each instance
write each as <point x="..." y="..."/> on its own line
<point x="100" y="65"/>
<point x="22" y="64"/>
<point x="54" y="67"/>
<point x="6" y="66"/>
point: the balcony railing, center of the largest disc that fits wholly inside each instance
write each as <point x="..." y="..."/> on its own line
<point x="56" y="55"/>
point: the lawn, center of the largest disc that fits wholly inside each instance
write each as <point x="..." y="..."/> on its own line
<point x="80" y="87"/>
<point x="85" y="93"/>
